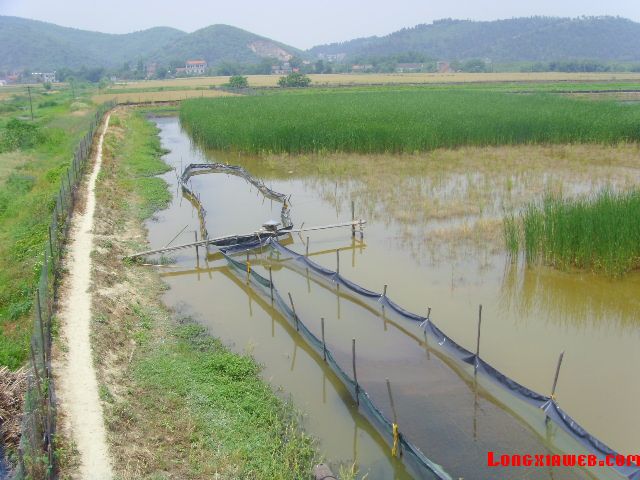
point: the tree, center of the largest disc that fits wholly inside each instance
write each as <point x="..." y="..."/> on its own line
<point x="238" y="81"/>
<point x="294" y="79"/>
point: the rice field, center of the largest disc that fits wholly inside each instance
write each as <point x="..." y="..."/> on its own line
<point x="157" y="96"/>
<point x="403" y="121"/>
<point x="599" y="233"/>
<point x="390" y="78"/>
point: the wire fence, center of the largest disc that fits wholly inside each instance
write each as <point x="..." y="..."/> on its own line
<point x="36" y="458"/>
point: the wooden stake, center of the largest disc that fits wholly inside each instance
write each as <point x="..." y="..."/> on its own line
<point x="307" y="247"/>
<point x="295" y="315"/>
<point x="384" y="292"/>
<point x="428" y="313"/>
<point x="195" y="233"/>
<point x="353" y="219"/>
<point x="338" y="261"/>
<point x="271" y="284"/>
<point x="324" y="345"/>
<point x="355" y="374"/>
<point x="478" y="338"/>
<point x="555" y="379"/>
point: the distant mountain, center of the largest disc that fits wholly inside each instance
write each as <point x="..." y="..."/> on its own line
<point x="35" y="45"/>
<point x="519" y="39"/>
<point x="224" y="43"/>
<point x="44" y="46"/>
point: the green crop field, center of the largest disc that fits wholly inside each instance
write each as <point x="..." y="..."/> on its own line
<point x="403" y="121"/>
<point x="601" y="233"/>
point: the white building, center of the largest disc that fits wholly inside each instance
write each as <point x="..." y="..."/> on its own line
<point x="195" y="67"/>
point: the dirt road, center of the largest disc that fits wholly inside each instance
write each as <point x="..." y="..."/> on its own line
<point x="79" y="400"/>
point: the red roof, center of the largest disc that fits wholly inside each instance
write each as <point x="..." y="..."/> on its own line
<point x="196" y="62"/>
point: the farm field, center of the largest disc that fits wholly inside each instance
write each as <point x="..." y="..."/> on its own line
<point x="392" y="78"/>
<point x="435" y="171"/>
<point x="144" y="96"/>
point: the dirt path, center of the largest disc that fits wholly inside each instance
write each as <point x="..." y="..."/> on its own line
<point x="77" y="390"/>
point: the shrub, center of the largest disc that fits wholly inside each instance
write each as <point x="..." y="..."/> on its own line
<point x="294" y="79"/>
<point x="238" y="81"/>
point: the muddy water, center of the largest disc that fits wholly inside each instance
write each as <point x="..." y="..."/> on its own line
<point x="529" y="317"/>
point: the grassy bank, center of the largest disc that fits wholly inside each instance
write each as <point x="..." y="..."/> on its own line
<point x="178" y="404"/>
<point x="34" y="156"/>
<point x="601" y="233"/>
<point x="402" y="121"/>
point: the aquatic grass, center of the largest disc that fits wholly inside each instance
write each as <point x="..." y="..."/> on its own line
<point x="600" y="233"/>
<point x="402" y="121"/>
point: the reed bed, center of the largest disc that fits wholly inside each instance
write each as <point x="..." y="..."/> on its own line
<point x="402" y="121"/>
<point x="600" y="233"/>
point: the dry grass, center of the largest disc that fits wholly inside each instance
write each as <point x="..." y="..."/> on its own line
<point x="160" y="96"/>
<point x="12" y="389"/>
<point x="388" y="78"/>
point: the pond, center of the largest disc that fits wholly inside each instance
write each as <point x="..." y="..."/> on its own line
<point x="431" y="238"/>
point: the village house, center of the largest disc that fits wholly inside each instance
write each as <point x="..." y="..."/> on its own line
<point x="195" y="67"/>
<point x="282" y="69"/>
<point x="443" y="67"/>
<point x="44" y="77"/>
<point x="362" y="68"/>
<point x="409" y="67"/>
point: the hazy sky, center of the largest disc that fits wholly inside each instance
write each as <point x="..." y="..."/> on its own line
<point x="299" y="23"/>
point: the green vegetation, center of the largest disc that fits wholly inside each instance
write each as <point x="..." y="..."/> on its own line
<point x="406" y="120"/>
<point x="238" y="81"/>
<point x="218" y="417"/>
<point x="535" y="39"/>
<point x="143" y="152"/>
<point x="295" y="80"/>
<point x="44" y="46"/>
<point x="34" y="157"/>
<point x="600" y="233"/>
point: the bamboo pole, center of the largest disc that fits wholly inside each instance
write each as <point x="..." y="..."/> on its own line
<point x="555" y="379"/>
<point x="271" y="284"/>
<point x="478" y="337"/>
<point x="355" y="373"/>
<point x="295" y="315"/>
<point x="324" y="345"/>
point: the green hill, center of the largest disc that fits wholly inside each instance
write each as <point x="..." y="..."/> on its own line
<point x="224" y="43"/>
<point x="535" y="39"/>
<point x="43" y="46"/>
<point x="35" y="45"/>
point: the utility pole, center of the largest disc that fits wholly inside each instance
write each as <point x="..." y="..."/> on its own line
<point x="30" y="102"/>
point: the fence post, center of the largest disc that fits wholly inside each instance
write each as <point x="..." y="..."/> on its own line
<point x="39" y="310"/>
<point x="338" y="261"/>
<point x="396" y="434"/>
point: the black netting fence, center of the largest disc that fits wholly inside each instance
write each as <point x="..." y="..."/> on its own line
<point x="509" y="392"/>
<point x="36" y="450"/>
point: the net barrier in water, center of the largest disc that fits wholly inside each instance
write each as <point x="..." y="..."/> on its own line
<point x="414" y="459"/>
<point x="508" y="389"/>
<point x="553" y="412"/>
